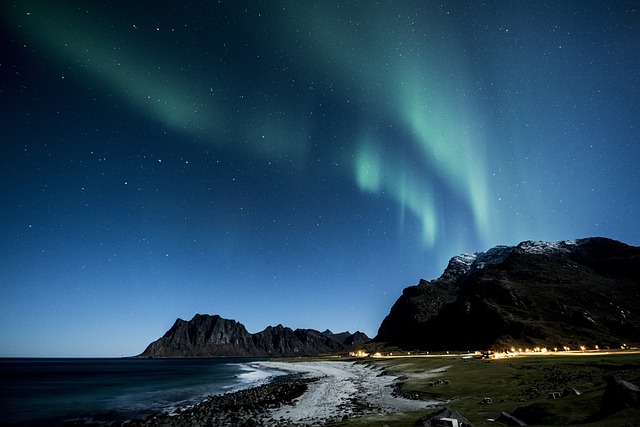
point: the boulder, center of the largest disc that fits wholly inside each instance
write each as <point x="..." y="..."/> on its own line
<point x="541" y="413"/>
<point x="432" y="418"/>
<point x="570" y="391"/>
<point x="510" y="420"/>
<point x="618" y="395"/>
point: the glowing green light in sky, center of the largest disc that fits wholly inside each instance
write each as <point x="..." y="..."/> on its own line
<point x="372" y="174"/>
<point x="400" y="75"/>
<point x="181" y="99"/>
<point x="413" y="79"/>
<point x="452" y="142"/>
<point x="147" y="83"/>
<point x="369" y="169"/>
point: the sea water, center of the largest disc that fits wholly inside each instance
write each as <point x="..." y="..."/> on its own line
<point x="49" y="391"/>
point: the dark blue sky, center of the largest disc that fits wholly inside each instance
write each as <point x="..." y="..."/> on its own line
<point x="294" y="162"/>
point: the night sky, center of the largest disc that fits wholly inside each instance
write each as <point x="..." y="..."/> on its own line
<point x="294" y="162"/>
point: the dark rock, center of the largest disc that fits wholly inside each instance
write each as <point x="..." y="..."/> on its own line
<point x="432" y="418"/>
<point x="213" y="336"/>
<point x="537" y="413"/>
<point x="535" y="294"/>
<point x="618" y="395"/>
<point x="570" y="391"/>
<point x="510" y="420"/>
<point x="250" y="423"/>
<point x="203" y="336"/>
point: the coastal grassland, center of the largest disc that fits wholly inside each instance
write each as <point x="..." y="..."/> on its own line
<point x="465" y="384"/>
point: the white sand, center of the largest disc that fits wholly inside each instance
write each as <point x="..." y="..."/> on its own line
<point x="344" y="388"/>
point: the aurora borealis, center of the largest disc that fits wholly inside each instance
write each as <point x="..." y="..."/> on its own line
<point x="295" y="162"/>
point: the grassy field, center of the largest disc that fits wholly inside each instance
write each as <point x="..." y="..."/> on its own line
<point x="510" y="383"/>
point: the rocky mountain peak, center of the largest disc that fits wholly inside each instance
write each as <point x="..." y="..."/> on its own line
<point x="549" y="293"/>
<point x="538" y="247"/>
<point x="458" y="266"/>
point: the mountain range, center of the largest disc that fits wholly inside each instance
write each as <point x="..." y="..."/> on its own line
<point x="571" y="293"/>
<point x="213" y="336"/>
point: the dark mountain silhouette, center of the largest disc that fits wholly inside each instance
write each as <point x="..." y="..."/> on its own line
<point x="213" y="336"/>
<point x="570" y="293"/>
<point x="347" y="338"/>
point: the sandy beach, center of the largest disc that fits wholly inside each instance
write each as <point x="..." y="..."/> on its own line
<point x="342" y="389"/>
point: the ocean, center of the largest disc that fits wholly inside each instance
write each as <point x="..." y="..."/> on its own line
<point x="50" y="391"/>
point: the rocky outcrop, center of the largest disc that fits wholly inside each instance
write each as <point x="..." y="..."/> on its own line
<point x="618" y="395"/>
<point x="203" y="336"/>
<point x="570" y="293"/>
<point x="213" y="336"/>
<point x="435" y="418"/>
<point x="509" y="420"/>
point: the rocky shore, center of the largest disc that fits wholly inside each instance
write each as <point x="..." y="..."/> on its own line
<point x="309" y="394"/>
<point x="244" y="408"/>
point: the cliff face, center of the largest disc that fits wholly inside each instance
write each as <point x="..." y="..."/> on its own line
<point x="583" y="292"/>
<point x="203" y="336"/>
<point x="213" y="336"/>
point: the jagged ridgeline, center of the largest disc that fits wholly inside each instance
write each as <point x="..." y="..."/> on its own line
<point x="574" y="293"/>
<point x="567" y="294"/>
<point x="213" y="336"/>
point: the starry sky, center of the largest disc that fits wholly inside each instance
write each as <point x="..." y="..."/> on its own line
<point x="295" y="163"/>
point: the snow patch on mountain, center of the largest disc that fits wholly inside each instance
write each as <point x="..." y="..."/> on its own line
<point x="462" y="264"/>
<point x="538" y="247"/>
<point x="465" y="259"/>
<point x="493" y="256"/>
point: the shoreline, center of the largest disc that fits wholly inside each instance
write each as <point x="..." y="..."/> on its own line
<point x="307" y="393"/>
<point x="344" y="389"/>
<point x="242" y="407"/>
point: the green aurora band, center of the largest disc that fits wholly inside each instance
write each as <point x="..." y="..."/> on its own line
<point x="422" y="87"/>
<point x="394" y="74"/>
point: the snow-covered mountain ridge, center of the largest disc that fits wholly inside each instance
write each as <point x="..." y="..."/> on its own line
<point x="466" y="262"/>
